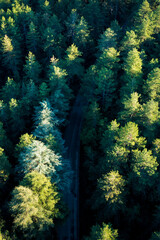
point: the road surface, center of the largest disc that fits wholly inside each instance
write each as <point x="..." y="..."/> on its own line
<point x="70" y="229"/>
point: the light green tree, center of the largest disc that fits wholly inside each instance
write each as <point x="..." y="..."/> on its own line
<point x="106" y="232"/>
<point x="48" y="197"/>
<point x="73" y="62"/>
<point x="152" y="85"/>
<point x="144" y="169"/>
<point x="30" y="219"/>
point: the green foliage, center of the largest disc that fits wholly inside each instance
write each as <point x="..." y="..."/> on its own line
<point x="11" y="55"/>
<point x="24" y="141"/>
<point x="103" y="233"/>
<point x="107" y="40"/>
<point x="10" y="90"/>
<point x="155" y="236"/>
<point x="128" y="136"/>
<point x="132" y="108"/>
<point x="40" y="158"/>
<point x="30" y="219"/>
<point x="144" y="167"/>
<point x="5" y="168"/>
<point x="32" y="68"/>
<point x="133" y="72"/>
<point x="73" y="62"/>
<point x="46" y="124"/>
<point x="112" y="186"/>
<point x="41" y="186"/>
<point x="43" y="91"/>
<point x="152" y="85"/>
<point x="129" y="41"/>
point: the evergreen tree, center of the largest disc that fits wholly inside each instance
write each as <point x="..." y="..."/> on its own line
<point x="46" y="123"/>
<point x="30" y="220"/>
<point x="152" y="85"/>
<point x="5" y="168"/>
<point x="33" y="39"/>
<point x="11" y="56"/>
<point x="11" y="89"/>
<point x="32" y="68"/>
<point x="111" y="194"/>
<point x="82" y="35"/>
<point x="48" y="196"/>
<point x="133" y="72"/>
<point x="107" y="40"/>
<point x="144" y="169"/>
<point x="129" y="41"/>
<point x="103" y="233"/>
<point x="73" y="62"/>
<point x="131" y="108"/>
<point x="38" y="157"/>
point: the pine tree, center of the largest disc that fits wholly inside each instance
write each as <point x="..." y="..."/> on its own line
<point x="144" y="169"/>
<point x="11" y="56"/>
<point x="129" y="41"/>
<point x="73" y="62"/>
<point x="82" y="39"/>
<point x="17" y="124"/>
<point x="152" y="85"/>
<point x="32" y="68"/>
<point x="5" y="168"/>
<point x="106" y="87"/>
<point x="29" y="217"/>
<point x="38" y="157"/>
<point x="32" y="40"/>
<point x="110" y="194"/>
<point x="131" y="108"/>
<point x="107" y="40"/>
<point x="46" y="123"/>
<point x="133" y="72"/>
<point x="71" y="23"/>
<point x="11" y="89"/>
<point x="24" y="141"/>
<point x="103" y="233"/>
<point x="46" y="192"/>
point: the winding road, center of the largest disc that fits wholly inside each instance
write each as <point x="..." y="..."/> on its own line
<point x="70" y="229"/>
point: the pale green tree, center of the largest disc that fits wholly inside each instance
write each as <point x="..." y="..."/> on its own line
<point x="30" y="219"/>
<point x="106" y="232"/>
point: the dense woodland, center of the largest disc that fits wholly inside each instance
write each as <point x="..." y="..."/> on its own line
<point x="109" y="52"/>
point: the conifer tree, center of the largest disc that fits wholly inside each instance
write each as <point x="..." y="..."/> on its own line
<point x="110" y="190"/>
<point x="38" y="157"/>
<point x="103" y="233"/>
<point x="46" y="192"/>
<point x="46" y="123"/>
<point x="32" y="68"/>
<point x="10" y="90"/>
<point x="32" y="40"/>
<point x="5" y="168"/>
<point x="131" y="108"/>
<point x="10" y="55"/>
<point x="144" y="169"/>
<point x="30" y="219"/>
<point x="129" y="41"/>
<point x="107" y="40"/>
<point x="73" y="62"/>
<point x="133" y="72"/>
<point x="152" y="85"/>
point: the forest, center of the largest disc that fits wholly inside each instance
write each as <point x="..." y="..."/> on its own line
<point x="108" y="53"/>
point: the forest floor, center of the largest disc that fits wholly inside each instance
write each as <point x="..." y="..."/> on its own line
<point x="70" y="229"/>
